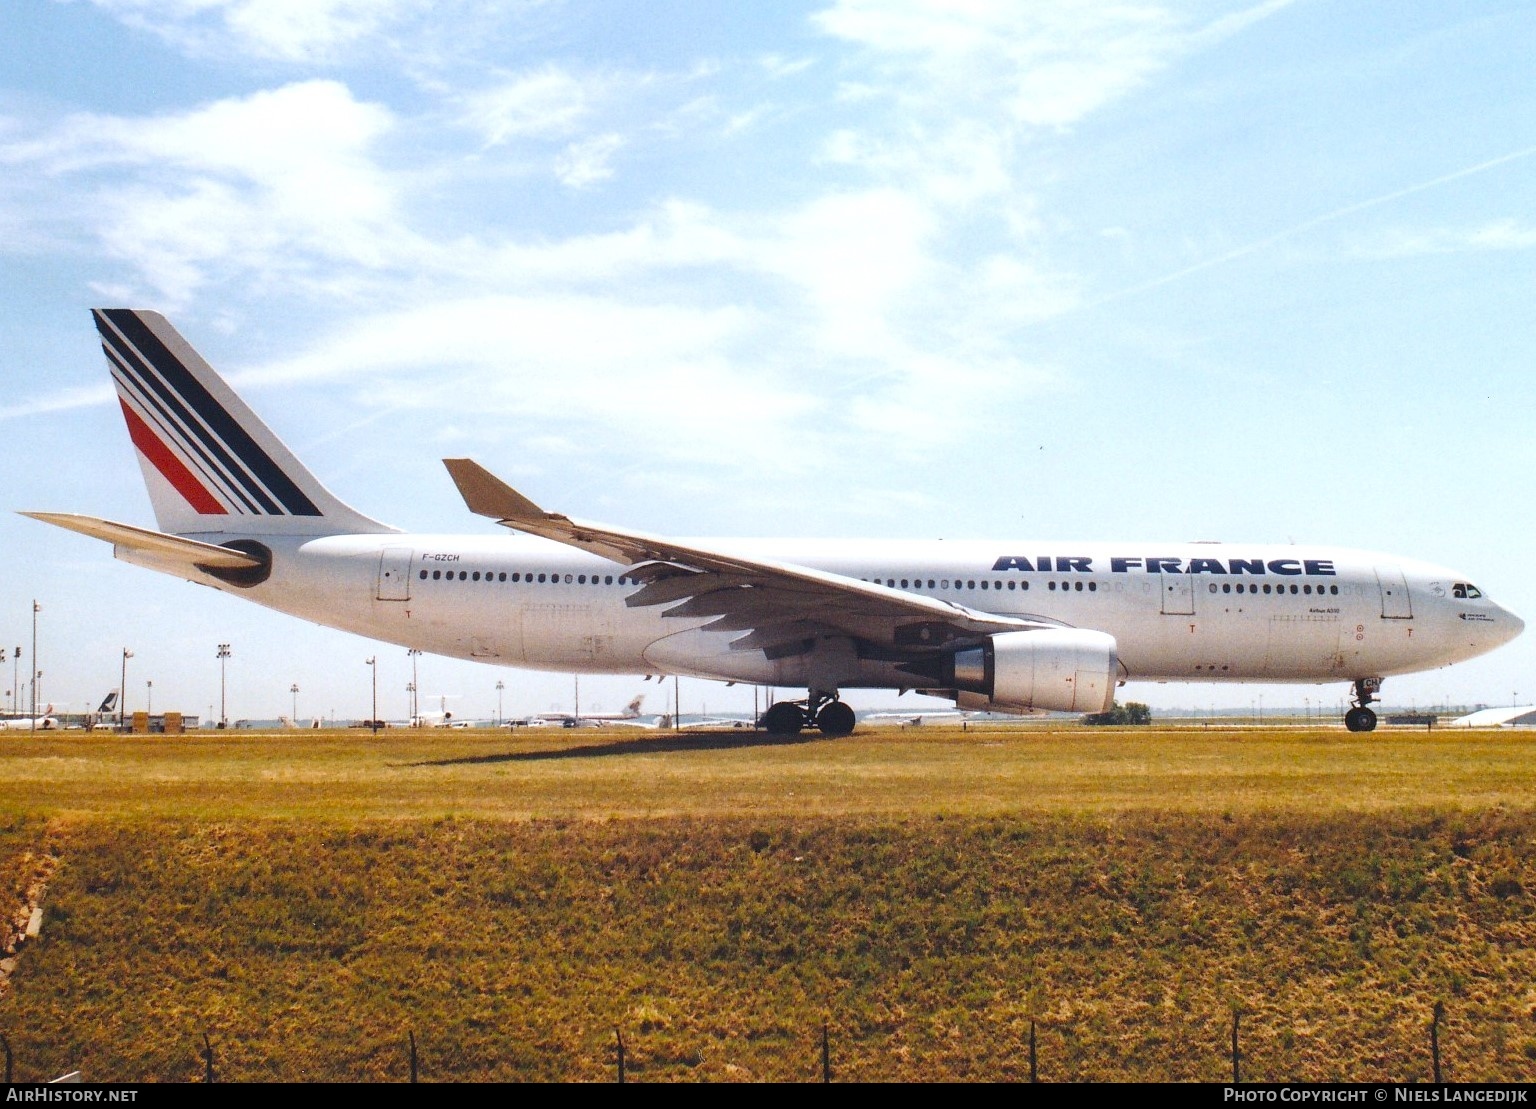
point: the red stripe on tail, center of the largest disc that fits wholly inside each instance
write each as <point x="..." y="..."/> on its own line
<point x="170" y="467"/>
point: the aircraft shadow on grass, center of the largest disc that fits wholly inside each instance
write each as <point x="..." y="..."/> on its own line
<point x="723" y="740"/>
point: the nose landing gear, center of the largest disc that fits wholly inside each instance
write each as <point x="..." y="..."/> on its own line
<point x="831" y="716"/>
<point x="1361" y="718"/>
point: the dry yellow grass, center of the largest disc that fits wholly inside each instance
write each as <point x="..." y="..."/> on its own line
<point x="592" y="774"/>
<point x="307" y="899"/>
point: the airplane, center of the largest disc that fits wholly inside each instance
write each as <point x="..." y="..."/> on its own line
<point x="629" y="717"/>
<point x="47" y="722"/>
<point x="1007" y="627"/>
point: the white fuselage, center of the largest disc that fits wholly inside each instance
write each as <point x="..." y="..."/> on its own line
<point x="1178" y="612"/>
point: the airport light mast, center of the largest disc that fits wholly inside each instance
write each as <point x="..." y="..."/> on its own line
<point x="223" y="657"/>
<point x="500" y="685"/>
<point x="122" y="688"/>
<point x="36" y="608"/>
<point x="294" y="689"/>
<point x="414" y="688"/>
<point x="373" y="721"/>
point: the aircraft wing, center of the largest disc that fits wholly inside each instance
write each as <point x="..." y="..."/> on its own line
<point x="775" y="604"/>
<point x="172" y="547"/>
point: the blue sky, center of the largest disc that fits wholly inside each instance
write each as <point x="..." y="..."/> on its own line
<point x="1061" y="270"/>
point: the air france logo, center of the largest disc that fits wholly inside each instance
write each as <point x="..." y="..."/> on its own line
<point x="1069" y="564"/>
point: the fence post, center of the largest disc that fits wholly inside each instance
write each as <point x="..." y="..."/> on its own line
<point x="207" y="1059"/>
<point x="1032" y="1075"/>
<point x="619" y="1037"/>
<point x="826" y="1053"/>
<point x="1434" y="1038"/>
<point x="411" y="1032"/>
<point x="1236" y="1075"/>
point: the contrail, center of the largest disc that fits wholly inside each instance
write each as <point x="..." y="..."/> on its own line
<point x="1317" y="221"/>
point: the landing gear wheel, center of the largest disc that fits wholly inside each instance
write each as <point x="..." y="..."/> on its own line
<point x="784" y="718"/>
<point x="835" y="719"/>
<point x="1360" y="720"/>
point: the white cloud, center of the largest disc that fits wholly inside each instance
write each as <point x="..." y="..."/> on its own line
<point x="1506" y="234"/>
<point x="566" y="365"/>
<point x="266" y="185"/>
<point x="588" y="162"/>
<point x="287" y="30"/>
<point x="549" y="101"/>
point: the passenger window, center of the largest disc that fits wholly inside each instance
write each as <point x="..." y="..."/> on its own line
<point x="436" y="574"/>
<point x="464" y="574"/>
<point x="475" y="576"/>
<point x="541" y="578"/>
<point x="423" y="575"/>
<point x="608" y="580"/>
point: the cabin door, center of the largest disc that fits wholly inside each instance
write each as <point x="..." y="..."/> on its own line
<point x="395" y="574"/>
<point x="1178" y="594"/>
<point x="1395" y="602"/>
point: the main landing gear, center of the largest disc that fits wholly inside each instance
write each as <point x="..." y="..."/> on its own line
<point x="831" y="716"/>
<point x="1361" y="718"/>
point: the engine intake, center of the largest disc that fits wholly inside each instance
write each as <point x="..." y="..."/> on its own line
<point x="1064" y="669"/>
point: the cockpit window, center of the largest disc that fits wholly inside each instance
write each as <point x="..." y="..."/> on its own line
<point x="1466" y="590"/>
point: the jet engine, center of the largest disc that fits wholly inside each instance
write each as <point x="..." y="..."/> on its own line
<point x="1065" y="669"/>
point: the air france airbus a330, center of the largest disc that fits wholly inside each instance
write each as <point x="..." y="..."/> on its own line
<point x="1018" y="627"/>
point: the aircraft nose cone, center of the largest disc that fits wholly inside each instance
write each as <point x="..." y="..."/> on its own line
<point x="1513" y="624"/>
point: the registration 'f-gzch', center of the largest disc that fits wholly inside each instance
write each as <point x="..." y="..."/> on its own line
<point x="1018" y="626"/>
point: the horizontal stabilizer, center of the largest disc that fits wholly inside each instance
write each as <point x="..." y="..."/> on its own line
<point x="151" y="542"/>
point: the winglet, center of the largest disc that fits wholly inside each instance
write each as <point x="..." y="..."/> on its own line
<point x="485" y="494"/>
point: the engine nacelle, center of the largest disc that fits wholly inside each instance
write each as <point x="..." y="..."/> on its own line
<point x="1065" y="669"/>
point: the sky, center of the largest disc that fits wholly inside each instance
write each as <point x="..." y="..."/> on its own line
<point x="1255" y="272"/>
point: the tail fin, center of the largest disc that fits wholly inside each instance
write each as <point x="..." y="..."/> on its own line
<point x="633" y="708"/>
<point x="210" y="463"/>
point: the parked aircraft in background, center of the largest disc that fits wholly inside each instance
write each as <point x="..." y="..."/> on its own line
<point x="45" y="722"/>
<point x="1008" y="626"/>
<point x="916" y="719"/>
<point x="630" y="716"/>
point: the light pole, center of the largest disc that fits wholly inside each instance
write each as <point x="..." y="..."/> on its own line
<point x="415" y="654"/>
<point x="149" y="697"/>
<point x="16" y="680"/>
<point x="294" y="689"/>
<point x="500" y="685"/>
<point x="36" y="608"/>
<point x="223" y="657"/>
<point x="373" y="721"/>
<point x="122" y="688"/>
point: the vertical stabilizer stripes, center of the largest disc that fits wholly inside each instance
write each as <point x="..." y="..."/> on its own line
<point x="163" y="414"/>
<point x="229" y="447"/>
<point x="170" y="467"/>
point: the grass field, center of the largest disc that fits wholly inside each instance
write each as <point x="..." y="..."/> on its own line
<point x="307" y="900"/>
